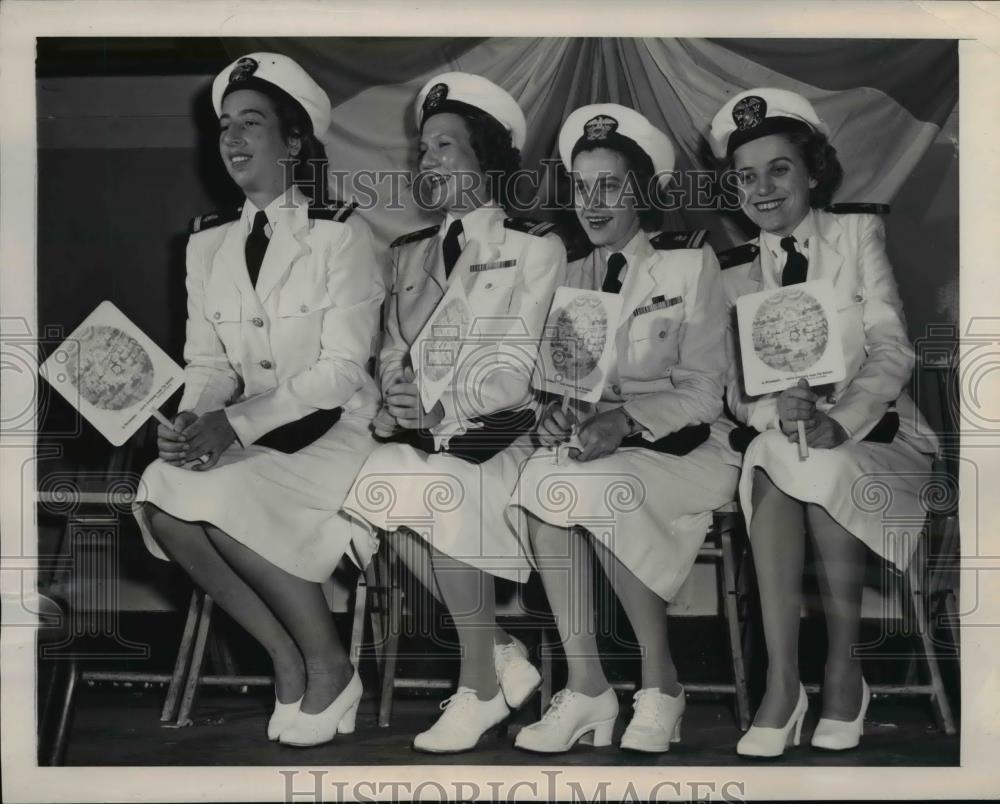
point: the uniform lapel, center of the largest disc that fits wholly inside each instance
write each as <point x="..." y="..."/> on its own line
<point x="640" y="282"/>
<point x="482" y="245"/>
<point x="288" y="241"/>
<point x="825" y="261"/>
<point x="230" y="259"/>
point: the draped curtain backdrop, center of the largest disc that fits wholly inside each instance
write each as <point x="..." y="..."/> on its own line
<point x="883" y="100"/>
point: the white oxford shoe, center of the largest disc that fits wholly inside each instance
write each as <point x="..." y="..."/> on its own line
<point x="569" y="717"/>
<point x="656" y="721"/>
<point x="517" y="676"/>
<point x="465" y="720"/>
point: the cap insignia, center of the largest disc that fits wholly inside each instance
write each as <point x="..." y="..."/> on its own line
<point x="598" y="128"/>
<point x="437" y="95"/>
<point x="749" y="112"/>
<point x="244" y="68"/>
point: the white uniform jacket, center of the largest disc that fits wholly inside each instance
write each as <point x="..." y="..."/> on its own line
<point x="297" y="343"/>
<point x="510" y="272"/>
<point x="849" y="250"/>
<point x="670" y="362"/>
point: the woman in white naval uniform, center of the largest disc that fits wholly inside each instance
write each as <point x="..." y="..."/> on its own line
<point x="442" y="487"/>
<point x="273" y="423"/>
<point x="788" y="173"/>
<point x="641" y="489"/>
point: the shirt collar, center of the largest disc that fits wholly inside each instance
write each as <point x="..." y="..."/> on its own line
<point x="274" y="211"/>
<point x="475" y="224"/>
<point x="803" y="234"/>
<point x="634" y="251"/>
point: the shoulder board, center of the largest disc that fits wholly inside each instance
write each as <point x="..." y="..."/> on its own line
<point x="671" y="240"/>
<point x="528" y="226"/>
<point x="200" y="223"/>
<point x="333" y="211"/>
<point x="740" y="255"/>
<point x="857" y="209"/>
<point x="413" y="237"/>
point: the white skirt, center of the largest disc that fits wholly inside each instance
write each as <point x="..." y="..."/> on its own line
<point x="651" y="509"/>
<point x="455" y="506"/>
<point x="285" y="507"/>
<point x="872" y="490"/>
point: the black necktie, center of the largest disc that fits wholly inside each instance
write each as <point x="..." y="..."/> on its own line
<point x="256" y="246"/>
<point x="796" y="266"/>
<point x="612" y="282"/>
<point x="450" y="248"/>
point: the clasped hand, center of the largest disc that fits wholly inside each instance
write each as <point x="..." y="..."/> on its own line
<point x="402" y="400"/>
<point x="193" y="436"/>
<point x="600" y="435"/>
<point x="798" y="403"/>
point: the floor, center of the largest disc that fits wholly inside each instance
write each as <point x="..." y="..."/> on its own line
<point x="120" y="726"/>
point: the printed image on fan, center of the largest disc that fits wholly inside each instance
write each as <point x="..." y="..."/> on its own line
<point x="790" y="331"/>
<point x="581" y="331"/>
<point x="109" y="368"/>
<point x="447" y="335"/>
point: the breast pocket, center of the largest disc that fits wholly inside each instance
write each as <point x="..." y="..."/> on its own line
<point x="303" y="300"/>
<point x="654" y="342"/>
<point x="493" y="291"/>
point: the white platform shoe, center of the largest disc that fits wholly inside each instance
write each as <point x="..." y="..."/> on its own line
<point x="338" y="718"/>
<point x="571" y="716"/>
<point x="465" y="720"/>
<point x="282" y="717"/>
<point x="518" y="677"/>
<point x="764" y="741"/>
<point x="656" y="722"/>
<point x="840" y="735"/>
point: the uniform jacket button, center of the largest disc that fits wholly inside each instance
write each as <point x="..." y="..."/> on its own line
<point x="265" y="364"/>
<point x="303" y="308"/>
<point x="858" y="298"/>
<point x="257" y="321"/>
<point x="616" y="389"/>
<point x="662" y="334"/>
<point x="217" y="316"/>
<point x="489" y="285"/>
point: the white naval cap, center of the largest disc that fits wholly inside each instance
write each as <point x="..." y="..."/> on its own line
<point x="606" y="122"/>
<point x="267" y="72"/>
<point x="449" y="92"/>
<point x="756" y="113"/>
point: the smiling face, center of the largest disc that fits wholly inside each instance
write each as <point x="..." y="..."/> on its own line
<point x="252" y="146"/>
<point x="604" y="201"/>
<point x="775" y="183"/>
<point x="451" y="179"/>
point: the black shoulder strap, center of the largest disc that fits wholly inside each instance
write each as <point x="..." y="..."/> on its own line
<point x="200" y="223"/>
<point x="858" y="209"/>
<point x="529" y="226"/>
<point x="337" y="211"/>
<point x="671" y="240"/>
<point x="412" y="237"/>
<point x="739" y="255"/>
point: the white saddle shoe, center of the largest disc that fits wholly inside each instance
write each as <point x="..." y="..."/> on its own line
<point x="656" y="722"/>
<point x="840" y="735"/>
<point x="518" y="677"/>
<point x="465" y="720"/>
<point x="570" y="716"/>
<point x="284" y="715"/>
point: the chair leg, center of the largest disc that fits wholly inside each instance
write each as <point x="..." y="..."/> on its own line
<point x="197" y="662"/>
<point x="939" y="698"/>
<point x="391" y="641"/>
<point x="66" y="675"/>
<point x="358" y="627"/>
<point x="729" y="606"/>
<point x="183" y="661"/>
<point x="546" y="649"/>
<point x="375" y="581"/>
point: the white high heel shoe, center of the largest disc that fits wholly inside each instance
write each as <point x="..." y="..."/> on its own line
<point x="656" y="722"/>
<point x="283" y="716"/>
<point x="840" y="735"/>
<point x="764" y="741"/>
<point x="338" y="718"/>
<point x="571" y="716"/>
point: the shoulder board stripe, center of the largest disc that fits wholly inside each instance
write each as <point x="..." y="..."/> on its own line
<point x="528" y="226"/>
<point x="740" y="255"/>
<point x="200" y="223"/>
<point x="412" y="237"/>
<point x="672" y="240"/>
<point x="336" y="211"/>
<point x="857" y="209"/>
